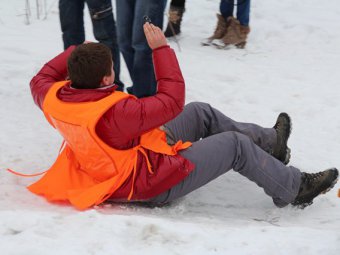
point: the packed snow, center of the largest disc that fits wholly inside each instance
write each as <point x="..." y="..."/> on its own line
<point x="291" y="63"/>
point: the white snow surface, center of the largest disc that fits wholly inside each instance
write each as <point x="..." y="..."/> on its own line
<point x="291" y="63"/>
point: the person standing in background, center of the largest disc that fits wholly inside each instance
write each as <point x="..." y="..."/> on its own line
<point x="71" y="13"/>
<point x="133" y="45"/>
<point x="230" y="30"/>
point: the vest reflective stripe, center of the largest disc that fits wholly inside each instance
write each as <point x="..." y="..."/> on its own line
<point x="87" y="171"/>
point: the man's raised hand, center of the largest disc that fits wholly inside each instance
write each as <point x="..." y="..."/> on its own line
<point x="154" y="36"/>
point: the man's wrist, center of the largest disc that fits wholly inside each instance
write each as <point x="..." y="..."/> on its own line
<point x="161" y="47"/>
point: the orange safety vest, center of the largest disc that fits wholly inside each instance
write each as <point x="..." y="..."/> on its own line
<point x="87" y="170"/>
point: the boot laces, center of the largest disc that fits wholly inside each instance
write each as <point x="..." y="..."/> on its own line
<point x="310" y="178"/>
<point x="280" y="125"/>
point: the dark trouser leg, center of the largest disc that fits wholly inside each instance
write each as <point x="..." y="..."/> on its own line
<point x="71" y="21"/>
<point x="143" y="77"/>
<point x="178" y="3"/>
<point x="227" y="8"/>
<point x="104" y="30"/>
<point x="132" y="42"/>
<point x="217" y="154"/>
<point x="199" y="120"/>
<point x="125" y="17"/>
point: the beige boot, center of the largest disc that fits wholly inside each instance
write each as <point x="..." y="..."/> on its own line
<point x="236" y="33"/>
<point x="220" y="30"/>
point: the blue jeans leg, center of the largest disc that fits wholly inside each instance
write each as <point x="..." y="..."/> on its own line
<point x="71" y="21"/>
<point x="227" y="8"/>
<point x="242" y="13"/>
<point x="243" y="10"/>
<point x="104" y="30"/>
<point x="133" y="44"/>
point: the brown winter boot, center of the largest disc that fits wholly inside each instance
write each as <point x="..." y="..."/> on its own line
<point x="175" y="19"/>
<point x="236" y="33"/>
<point x="312" y="185"/>
<point x="220" y="30"/>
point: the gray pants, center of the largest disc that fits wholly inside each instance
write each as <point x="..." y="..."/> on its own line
<point x="220" y="144"/>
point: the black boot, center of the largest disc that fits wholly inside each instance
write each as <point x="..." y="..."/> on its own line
<point x="283" y="127"/>
<point x="175" y="19"/>
<point x="313" y="185"/>
<point x="120" y="85"/>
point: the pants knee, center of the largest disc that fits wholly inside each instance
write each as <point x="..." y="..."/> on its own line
<point x="101" y="12"/>
<point x="103" y="23"/>
<point x="242" y="144"/>
<point x="198" y="106"/>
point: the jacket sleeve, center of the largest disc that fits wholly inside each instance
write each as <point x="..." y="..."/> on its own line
<point x="134" y="117"/>
<point x="53" y="71"/>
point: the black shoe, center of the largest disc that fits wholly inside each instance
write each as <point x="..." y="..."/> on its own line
<point x="129" y="90"/>
<point x="283" y="127"/>
<point x="175" y="19"/>
<point x="313" y="185"/>
<point x="120" y="85"/>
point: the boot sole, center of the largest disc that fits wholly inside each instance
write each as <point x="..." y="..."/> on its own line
<point x="206" y="44"/>
<point x="229" y="46"/>
<point x="290" y="124"/>
<point x="241" y="45"/>
<point x="286" y="159"/>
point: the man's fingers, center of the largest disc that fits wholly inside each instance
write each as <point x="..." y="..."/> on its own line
<point x="147" y="27"/>
<point x="151" y="28"/>
<point x="155" y="30"/>
<point x="148" y="30"/>
<point x="159" y="33"/>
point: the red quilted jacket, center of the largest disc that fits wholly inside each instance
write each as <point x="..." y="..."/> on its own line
<point x="122" y="125"/>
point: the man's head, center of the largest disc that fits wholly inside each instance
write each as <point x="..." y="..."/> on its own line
<point x="90" y="66"/>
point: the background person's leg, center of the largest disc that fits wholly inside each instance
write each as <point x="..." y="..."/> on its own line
<point x="143" y="77"/>
<point x="178" y="3"/>
<point x="104" y="30"/>
<point x="243" y="11"/>
<point x="72" y="22"/>
<point x="227" y="8"/>
<point x="217" y="154"/>
<point x="125" y="17"/>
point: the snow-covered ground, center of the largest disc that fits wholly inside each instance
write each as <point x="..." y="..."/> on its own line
<point x="291" y="63"/>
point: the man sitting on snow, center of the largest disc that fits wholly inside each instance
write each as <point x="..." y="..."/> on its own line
<point x="121" y="148"/>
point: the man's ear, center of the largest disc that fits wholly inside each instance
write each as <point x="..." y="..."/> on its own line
<point x="106" y="81"/>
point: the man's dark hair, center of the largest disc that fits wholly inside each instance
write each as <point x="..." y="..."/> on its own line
<point x="88" y="64"/>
